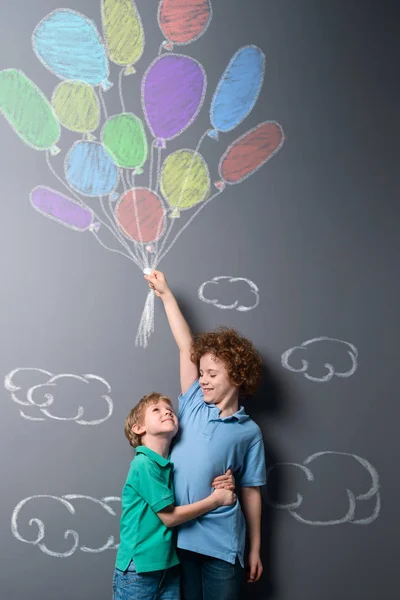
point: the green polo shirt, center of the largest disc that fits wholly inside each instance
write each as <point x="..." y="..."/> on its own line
<point x="144" y="537"/>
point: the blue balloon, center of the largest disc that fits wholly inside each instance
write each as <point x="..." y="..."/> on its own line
<point x="89" y="169"/>
<point x="237" y="90"/>
<point x="69" y="45"/>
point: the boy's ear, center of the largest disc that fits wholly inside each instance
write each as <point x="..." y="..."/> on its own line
<point x="138" y="429"/>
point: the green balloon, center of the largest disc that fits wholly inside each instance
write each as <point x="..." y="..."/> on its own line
<point x="76" y="106"/>
<point x="28" y="111"/>
<point x="124" y="138"/>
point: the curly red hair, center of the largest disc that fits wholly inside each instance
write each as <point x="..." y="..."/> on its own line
<point x="241" y="359"/>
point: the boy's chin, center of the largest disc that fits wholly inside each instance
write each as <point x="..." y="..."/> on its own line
<point x="208" y="400"/>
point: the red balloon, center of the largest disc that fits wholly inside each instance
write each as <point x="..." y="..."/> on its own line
<point x="140" y="215"/>
<point x="181" y="21"/>
<point x="250" y="151"/>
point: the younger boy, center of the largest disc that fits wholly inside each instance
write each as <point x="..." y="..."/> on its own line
<point x="147" y="564"/>
<point x="215" y="434"/>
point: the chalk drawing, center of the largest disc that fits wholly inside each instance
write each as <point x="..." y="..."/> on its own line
<point x="299" y="351"/>
<point x="354" y="500"/>
<point x="183" y="22"/>
<point x="70" y="535"/>
<point x="212" y="293"/>
<point x="100" y="190"/>
<point x="41" y="398"/>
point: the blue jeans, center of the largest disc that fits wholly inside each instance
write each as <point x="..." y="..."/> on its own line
<point x="208" y="578"/>
<point x="154" y="585"/>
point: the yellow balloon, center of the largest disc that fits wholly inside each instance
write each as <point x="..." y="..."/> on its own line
<point x="123" y="31"/>
<point x="185" y="180"/>
<point x="76" y="106"/>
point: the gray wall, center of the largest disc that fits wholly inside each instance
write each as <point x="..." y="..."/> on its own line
<point x="315" y="231"/>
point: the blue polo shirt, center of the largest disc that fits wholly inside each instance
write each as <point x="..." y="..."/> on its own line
<point x="205" y="447"/>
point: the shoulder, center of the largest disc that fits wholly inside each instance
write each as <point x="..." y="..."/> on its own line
<point x="192" y="397"/>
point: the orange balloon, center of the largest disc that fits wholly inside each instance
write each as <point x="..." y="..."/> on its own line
<point x="250" y="151"/>
<point x="140" y="215"/>
<point x="183" y="21"/>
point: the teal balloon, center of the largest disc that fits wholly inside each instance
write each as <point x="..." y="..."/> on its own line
<point x="69" y="45"/>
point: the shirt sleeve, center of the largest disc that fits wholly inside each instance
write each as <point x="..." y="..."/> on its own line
<point x="252" y="473"/>
<point x="191" y="398"/>
<point x="151" y="486"/>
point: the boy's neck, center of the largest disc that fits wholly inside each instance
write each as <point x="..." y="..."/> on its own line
<point x="158" y="444"/>
<point x="229" y="406"/>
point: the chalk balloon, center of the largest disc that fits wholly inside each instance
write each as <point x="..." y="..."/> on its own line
<point x="250" y="151"/>
<point x="173" y="89"/>
<point x="124" y="138"/>
<point x="62" y="209"/>
<point x="28" y="111"/>
<point x="69" y="45"/>
<point x="183" y="22"/>
<point x="123" y="31"/>
<point x="185" y="180"/>
<point x="140" y="215"/>
<point x="90" y="170"/>
<point x="76" y="106"/>
<point x="237" y="90"/>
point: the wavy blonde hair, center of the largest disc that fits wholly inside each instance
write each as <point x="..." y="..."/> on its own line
<point x="136" y="416"/>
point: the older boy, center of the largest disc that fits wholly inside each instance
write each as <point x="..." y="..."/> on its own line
<point x="215" y="434"/>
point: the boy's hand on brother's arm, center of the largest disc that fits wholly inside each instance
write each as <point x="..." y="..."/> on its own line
<point x="224" y="497"/>
<point x="157" y="282"/>
<point x="226" y="481"/>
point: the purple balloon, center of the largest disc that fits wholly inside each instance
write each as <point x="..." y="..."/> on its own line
<point x="60" y="208"/>
<point x="173" y="89"/>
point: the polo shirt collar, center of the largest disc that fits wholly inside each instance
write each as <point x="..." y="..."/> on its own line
<point x="163" y="462"/>
<point x="239" y="415"/>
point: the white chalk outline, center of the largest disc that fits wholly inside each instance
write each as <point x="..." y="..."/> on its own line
<point x="253" y="289"/>
<point x="65" y="501"/>
<point x="43" y="406"/>
<point x="353" y="353"/>
<point x="349" y="516"/>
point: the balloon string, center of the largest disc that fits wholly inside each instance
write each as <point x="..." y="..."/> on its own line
<point x="151" y="165"/>
<point x="103" y="104"/>
<point x="180" y="197"/>
<point x="115" y="228"/>
<point x="81" y="202"/>
<point x="146" y="325"/>
<point x="121" y="97"/>
<point x="187" y="224"/>
<point x="113" y="249"/>
<point x="145" y="257"/>
<point x="160" y="224"/>
<point x="158" y="170"/>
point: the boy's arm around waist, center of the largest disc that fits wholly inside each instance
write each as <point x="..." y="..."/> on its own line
<point x="172" y="516"/>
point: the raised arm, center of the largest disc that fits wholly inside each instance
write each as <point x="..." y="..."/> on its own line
<point x="179" y="327"/>
<point x="172" y="516"/>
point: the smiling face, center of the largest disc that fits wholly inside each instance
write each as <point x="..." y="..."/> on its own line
<point x="160" y="419"/>
<point x="214" y="380"/>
